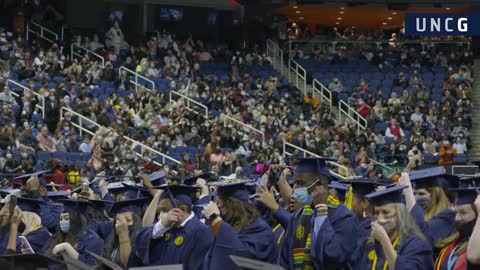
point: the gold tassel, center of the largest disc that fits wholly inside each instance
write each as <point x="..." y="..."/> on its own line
<point x="349" y="198"/>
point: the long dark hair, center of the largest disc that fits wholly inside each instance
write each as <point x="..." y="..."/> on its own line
<point x="113" y="243"/>
<point x="78" y="225"/>
<point x="239" y="214"/>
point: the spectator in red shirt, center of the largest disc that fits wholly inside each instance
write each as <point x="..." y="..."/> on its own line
<point x="362" y="108"/>
<point x="363" y="90"/>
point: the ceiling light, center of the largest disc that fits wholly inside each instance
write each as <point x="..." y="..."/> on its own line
<point x="339" y="18"/>
<point x="301" y="18"/>
<point x="384" y="23"/>
<point x="337" y="23"/>
<point x="389" y="18"/>
<point x="447" y="8"/>
<point x="342" y="8"/>
<point x="298" y="11"/>
<point x="341" y="12"/>
<point x="394" y="13"/>
<point x="295" y="6"/>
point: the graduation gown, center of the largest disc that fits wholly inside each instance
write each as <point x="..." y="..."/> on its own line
<point x="88" y="241"/>
<point x="333" y="245"/>
<point x="186" y="245"/>
<point x="413" y="253"/>
<point x="437" y="228"/>
<point x="50" y="215"/>
<point x="38" y="238"/>
<point x="198" y="206"/>
<point x="4" y="236"/>
<point x="103" y="229"/>
<point x="364" y="232"/>
<point x="254" y="241"/>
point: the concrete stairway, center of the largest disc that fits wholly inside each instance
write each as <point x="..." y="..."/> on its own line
<point x="474" y="152"/>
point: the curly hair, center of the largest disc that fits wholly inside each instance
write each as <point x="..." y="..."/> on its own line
<point x="239" y="214"/>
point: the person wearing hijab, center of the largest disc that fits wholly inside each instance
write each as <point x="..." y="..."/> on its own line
<point x="427" y="199"/>
<point x="319" y="235"/>
<point x="237" y="227"/>
<point x="453" y="249"/>
<point x="36" y="234"/>
<point x="396" y="241"/>
<point x="178" y="237"/>
<point x="73" y="237"/>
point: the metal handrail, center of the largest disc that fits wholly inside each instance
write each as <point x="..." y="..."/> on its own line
<point x="381" y="165"/>
<point x="82" y="119"/>
<point x="276" y="54"/>
<point x="226" y="117"/>
<point x="74" y="53"/>
<point x="323" y="91"/>
<point x="345" y="110"/>
<point x="62" y="34"/>
<point x="41" y="33"/>
<point x="334" y="164"/>
<point x="300" y="74"/>
<point x="136" y="75"/>
<point x="41" y="98"/>
<point x="189" y="100"/>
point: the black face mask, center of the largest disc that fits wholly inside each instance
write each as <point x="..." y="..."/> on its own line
<point x="465" y="229"/>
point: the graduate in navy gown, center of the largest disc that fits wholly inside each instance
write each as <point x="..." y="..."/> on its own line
<point x="396" y="241"/>
<point x="99" y="222"/>
<point x="427" y="199"/>
<point x="320" y="235"/>
<point x="238" y="229"/>
<point x="73" y="238"/>
<point x="32" y="228"/>
<point x="453" y="250"/>
<point x="127" y="215"/>
<point x="473" y="250"/>
<point x="363" y="209"/>
<point x="178" y="237"/>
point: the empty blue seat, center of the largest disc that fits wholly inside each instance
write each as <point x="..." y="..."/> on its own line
<point x="74" y="156"/>
<point x="43" y="155"/>
<point x="60" y="155"/>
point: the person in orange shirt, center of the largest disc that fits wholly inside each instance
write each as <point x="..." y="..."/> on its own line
<point x="446" y="153"/>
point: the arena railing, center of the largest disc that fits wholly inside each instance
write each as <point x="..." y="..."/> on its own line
<point x="276" y="54"/>
<point x="137" y="76"/>
<point x="323" y="92"/>
<point x="82" y="120"/>
<point x="311" y="154"/>
<point x="41" y="99"/>
<point x="75" y="47"/>
<point x="41" y="31"/>
<point x="345" y="111"/>
<point x="188" y="102"/>
<point x="227" y="118"/>
<point x="299" y="75"/>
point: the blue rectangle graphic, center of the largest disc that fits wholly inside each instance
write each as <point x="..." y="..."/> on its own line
<point x="442" y="24"/>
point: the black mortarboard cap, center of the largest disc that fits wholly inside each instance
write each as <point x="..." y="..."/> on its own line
<point x="315" y="165"/>
<point x="191" y="181"/>
<point x="135" y="191"/>
<point x="157" y="178"/>
<point x="471" y="181"/>
<point x="236" y="189"/>
<point x="183" y="193"/>
<point x="389" y="195"/>
<point x="433" y="177"/>
<point x="135" y="206"/>
<point x="78" y="206"/>
<point x="363" y="186"/>
<point x="466" y="195"/>
<point x="340" y="189"/>
<point x="28" y="204"/>
<point x="58" y="195"/>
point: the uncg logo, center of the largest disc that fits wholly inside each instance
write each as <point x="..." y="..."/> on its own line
<point x="438" y="24"/>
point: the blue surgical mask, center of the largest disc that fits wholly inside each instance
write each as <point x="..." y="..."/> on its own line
<point x="65" y="226"/>
<point x="424" y="202"/>
<point x="302" y="196"/>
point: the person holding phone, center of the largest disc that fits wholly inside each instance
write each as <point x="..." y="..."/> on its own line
<point x="319" y="234"/>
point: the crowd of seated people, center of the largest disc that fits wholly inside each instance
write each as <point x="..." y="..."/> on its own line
<point x="416" y="97"/>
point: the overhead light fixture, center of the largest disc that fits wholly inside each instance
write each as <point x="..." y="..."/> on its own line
<point x="384" y="23"/>
<point x="295" y="6"/>
<point x="298" y="11"/>
<point x="389" y="18"/>
<point x="394" y="13"/>
<point x="337" y="23"/>
<point x="342" y="8"/>
<point x="339" y="18"/>
<point x="301" y="18"/>
<point x="341" y="12"/>
<point x="447" y="8"/>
